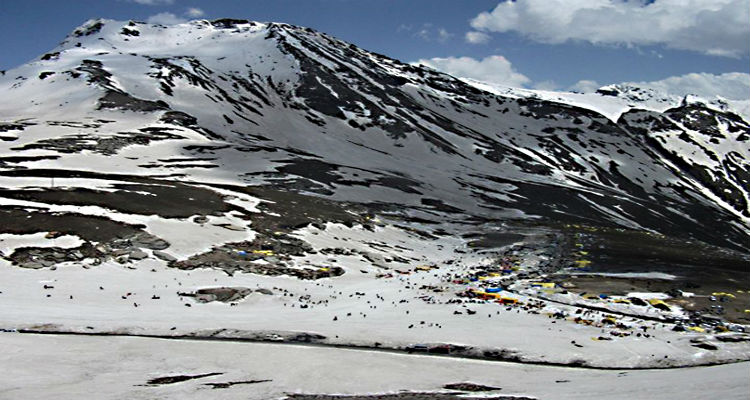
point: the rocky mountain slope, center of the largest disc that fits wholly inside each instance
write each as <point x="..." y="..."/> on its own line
<point x="288" y="107"/>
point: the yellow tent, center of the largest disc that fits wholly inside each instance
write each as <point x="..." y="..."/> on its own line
<point x="508" y="300"/>
<point x="659" y="304"/>
<point x="482" y="293"/>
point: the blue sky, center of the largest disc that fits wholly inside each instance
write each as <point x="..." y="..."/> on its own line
<point x="557" y="44"/>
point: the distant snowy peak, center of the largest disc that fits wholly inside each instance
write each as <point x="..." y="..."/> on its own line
<point x="614" y="100"/>
<point x="654" y="98"/>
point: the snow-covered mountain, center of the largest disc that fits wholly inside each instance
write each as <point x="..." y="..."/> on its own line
<point x="235" y="180"/>
<point x="271" y="104"/>
<point x="614" y="100"/>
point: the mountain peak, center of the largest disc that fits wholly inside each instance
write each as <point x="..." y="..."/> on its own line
<point x="377" y="129"/>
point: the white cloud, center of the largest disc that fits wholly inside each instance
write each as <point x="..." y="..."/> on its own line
<point x="443" y="35"/>
<point x="546" y="85"/>
<point x="427" y="32"/>
<point x="165" y="18"/>
<point x="153" y="2"/>
<point x="194" y="12"/>
<point x="475" y="37"/>
<point x="404" y="28"/>
<point x="585" y="86"/>
<point x="717" y="27"/>
<point x="492" y="69"/>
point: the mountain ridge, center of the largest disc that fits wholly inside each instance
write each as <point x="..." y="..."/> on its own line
<point x="326" y="117"/>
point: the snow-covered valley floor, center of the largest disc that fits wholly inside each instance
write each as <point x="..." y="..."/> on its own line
<point x="54" y="367"/>
<point x="415" y="310"/>
<point x="279" y="267"/>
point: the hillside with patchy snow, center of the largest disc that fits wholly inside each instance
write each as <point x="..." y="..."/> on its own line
<point x="285" y="106"/>
<point x="241" y="181"/>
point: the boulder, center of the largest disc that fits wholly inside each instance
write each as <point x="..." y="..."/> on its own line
<point x="164" y="256"/>
<point x="137" y="254"/>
